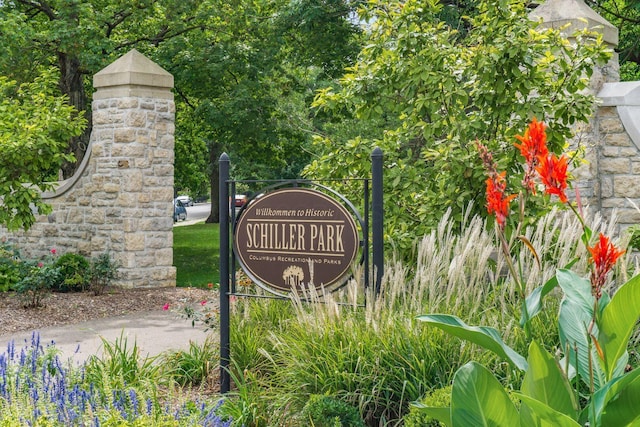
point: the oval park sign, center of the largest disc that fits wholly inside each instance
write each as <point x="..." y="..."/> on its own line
<point x="296" y="238"/>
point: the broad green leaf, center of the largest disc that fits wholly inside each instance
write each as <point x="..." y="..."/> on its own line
<point x="573" y="324"/>
<point x="478" y="399"/>
<point x="545" y="382"/>
<point x="617" y="323"/>
<point x="576" y="289"/>
<point x="540" y="415"/>
<point x="443" y="415"/>
<point x="616" y="404"/>
<point x="483" y="336"/>
<point x="534" y="300"/>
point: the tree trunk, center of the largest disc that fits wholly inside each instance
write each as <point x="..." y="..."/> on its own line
<point x="72" y="85"/>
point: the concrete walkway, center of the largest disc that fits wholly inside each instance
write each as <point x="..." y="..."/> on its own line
<point x="153" y="332"/>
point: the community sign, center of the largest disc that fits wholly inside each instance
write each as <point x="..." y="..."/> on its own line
<point x="296" y="238"/>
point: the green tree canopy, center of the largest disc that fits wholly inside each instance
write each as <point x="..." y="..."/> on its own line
<point x="35" y="127"/>
<point x="625" y="15"/>
<point x="430" y="92"/>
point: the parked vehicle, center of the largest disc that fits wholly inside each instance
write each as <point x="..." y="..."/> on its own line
<point x="186" y="200"/>
<point x="179" y="211"/>
<point x="238" y="203"/>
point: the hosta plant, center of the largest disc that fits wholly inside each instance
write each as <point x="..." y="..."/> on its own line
<point x="587" y="381"/>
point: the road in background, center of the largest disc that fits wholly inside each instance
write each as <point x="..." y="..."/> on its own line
<point x="196" y="213"/>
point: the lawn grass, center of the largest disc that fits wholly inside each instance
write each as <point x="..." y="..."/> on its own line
<point x="196" y="254"/>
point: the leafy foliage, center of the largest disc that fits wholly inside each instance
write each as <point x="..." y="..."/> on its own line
<point x="74" y="273"/>
<point x="625" y="16"/>
<point x="11" y="269"/>
<point x="327" y="411"/>
<point x="35" y="127"/>
<point x="431" y="91"/>
<point x="103" y="270"/>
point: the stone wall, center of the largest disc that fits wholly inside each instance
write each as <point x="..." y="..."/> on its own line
<point x="617" y="131"/>
<point x="121" y="198"/>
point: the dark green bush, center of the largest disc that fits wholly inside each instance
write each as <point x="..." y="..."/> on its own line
<point x="104" y="271"/>
<point x="74" y="273"/>
<point x="329" y="411"/>
<point x="11" y="268"/>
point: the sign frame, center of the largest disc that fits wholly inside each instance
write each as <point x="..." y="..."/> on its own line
<point x="313" y="213"/>
<point x="373" y="208"/>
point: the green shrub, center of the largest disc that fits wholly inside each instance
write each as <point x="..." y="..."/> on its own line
<point x="329" y="411"/>
<point x="104" y="271"/>
<point x="74" y="273"/>
<point x="37" y="283"/>
<point x="438" y="398"/>
<point x="11" y="268"/>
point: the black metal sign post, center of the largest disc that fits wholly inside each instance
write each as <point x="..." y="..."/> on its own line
<point x="225" y="350"/>
<point x="316" y="230"/>
<point x="377" y="216"/>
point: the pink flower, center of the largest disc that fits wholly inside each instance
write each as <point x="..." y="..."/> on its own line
<point x="203" y="302"/>
<point x="40" y="265"/>
<point x="165" y="307"/>
<point x="53" y="251"/>
<point x="233" y="298"/>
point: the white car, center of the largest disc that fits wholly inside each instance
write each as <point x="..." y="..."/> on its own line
<point x="186" y="200"/>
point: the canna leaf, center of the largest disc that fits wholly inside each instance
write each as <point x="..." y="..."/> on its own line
<point x="539" y="414"/>
<point x="483" y="336"/>
<point x="618" y="320"/>
<point x="478" y="399"/>
<point x="545" y="382"/>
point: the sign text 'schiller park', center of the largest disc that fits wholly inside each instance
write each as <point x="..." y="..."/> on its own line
<point x="296" y="238"/>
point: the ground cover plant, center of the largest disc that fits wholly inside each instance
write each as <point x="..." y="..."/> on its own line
<point x="196" y="249"/>
<point x="37" y="388"/>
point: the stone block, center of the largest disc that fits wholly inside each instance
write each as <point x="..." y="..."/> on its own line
<point x="124" y="135"/>
<point x="133" y="181"/>
<point x="147" y="104"/>
<point x="136" y="119"/>
<point x="111" y="187"/>
<point x="615" y="166"/>
<point x="611" y="125"/>
<point x="127" y="199"/>
<point x="626" y="186"/>
<point x="134" y="242"/>
<point x="610" y="151"/>
<point x="617" y="140"/>
<point x="628" y="216"/>
<point x="97" y="216"/>
<point x="128" y="103"/>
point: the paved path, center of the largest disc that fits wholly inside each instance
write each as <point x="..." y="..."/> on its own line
<point x="153" y="332"/>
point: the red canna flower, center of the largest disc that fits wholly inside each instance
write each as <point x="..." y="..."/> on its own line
<point x="534" y="142"/>
<point x="553" y="173"/>
<point x="497" y="200"/>
<point x="603" y="255"/>
<point x="534" y="145"/>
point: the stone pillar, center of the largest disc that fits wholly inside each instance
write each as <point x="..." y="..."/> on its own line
<point x="570" y="16"/>
<point x="132" y="174"/>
